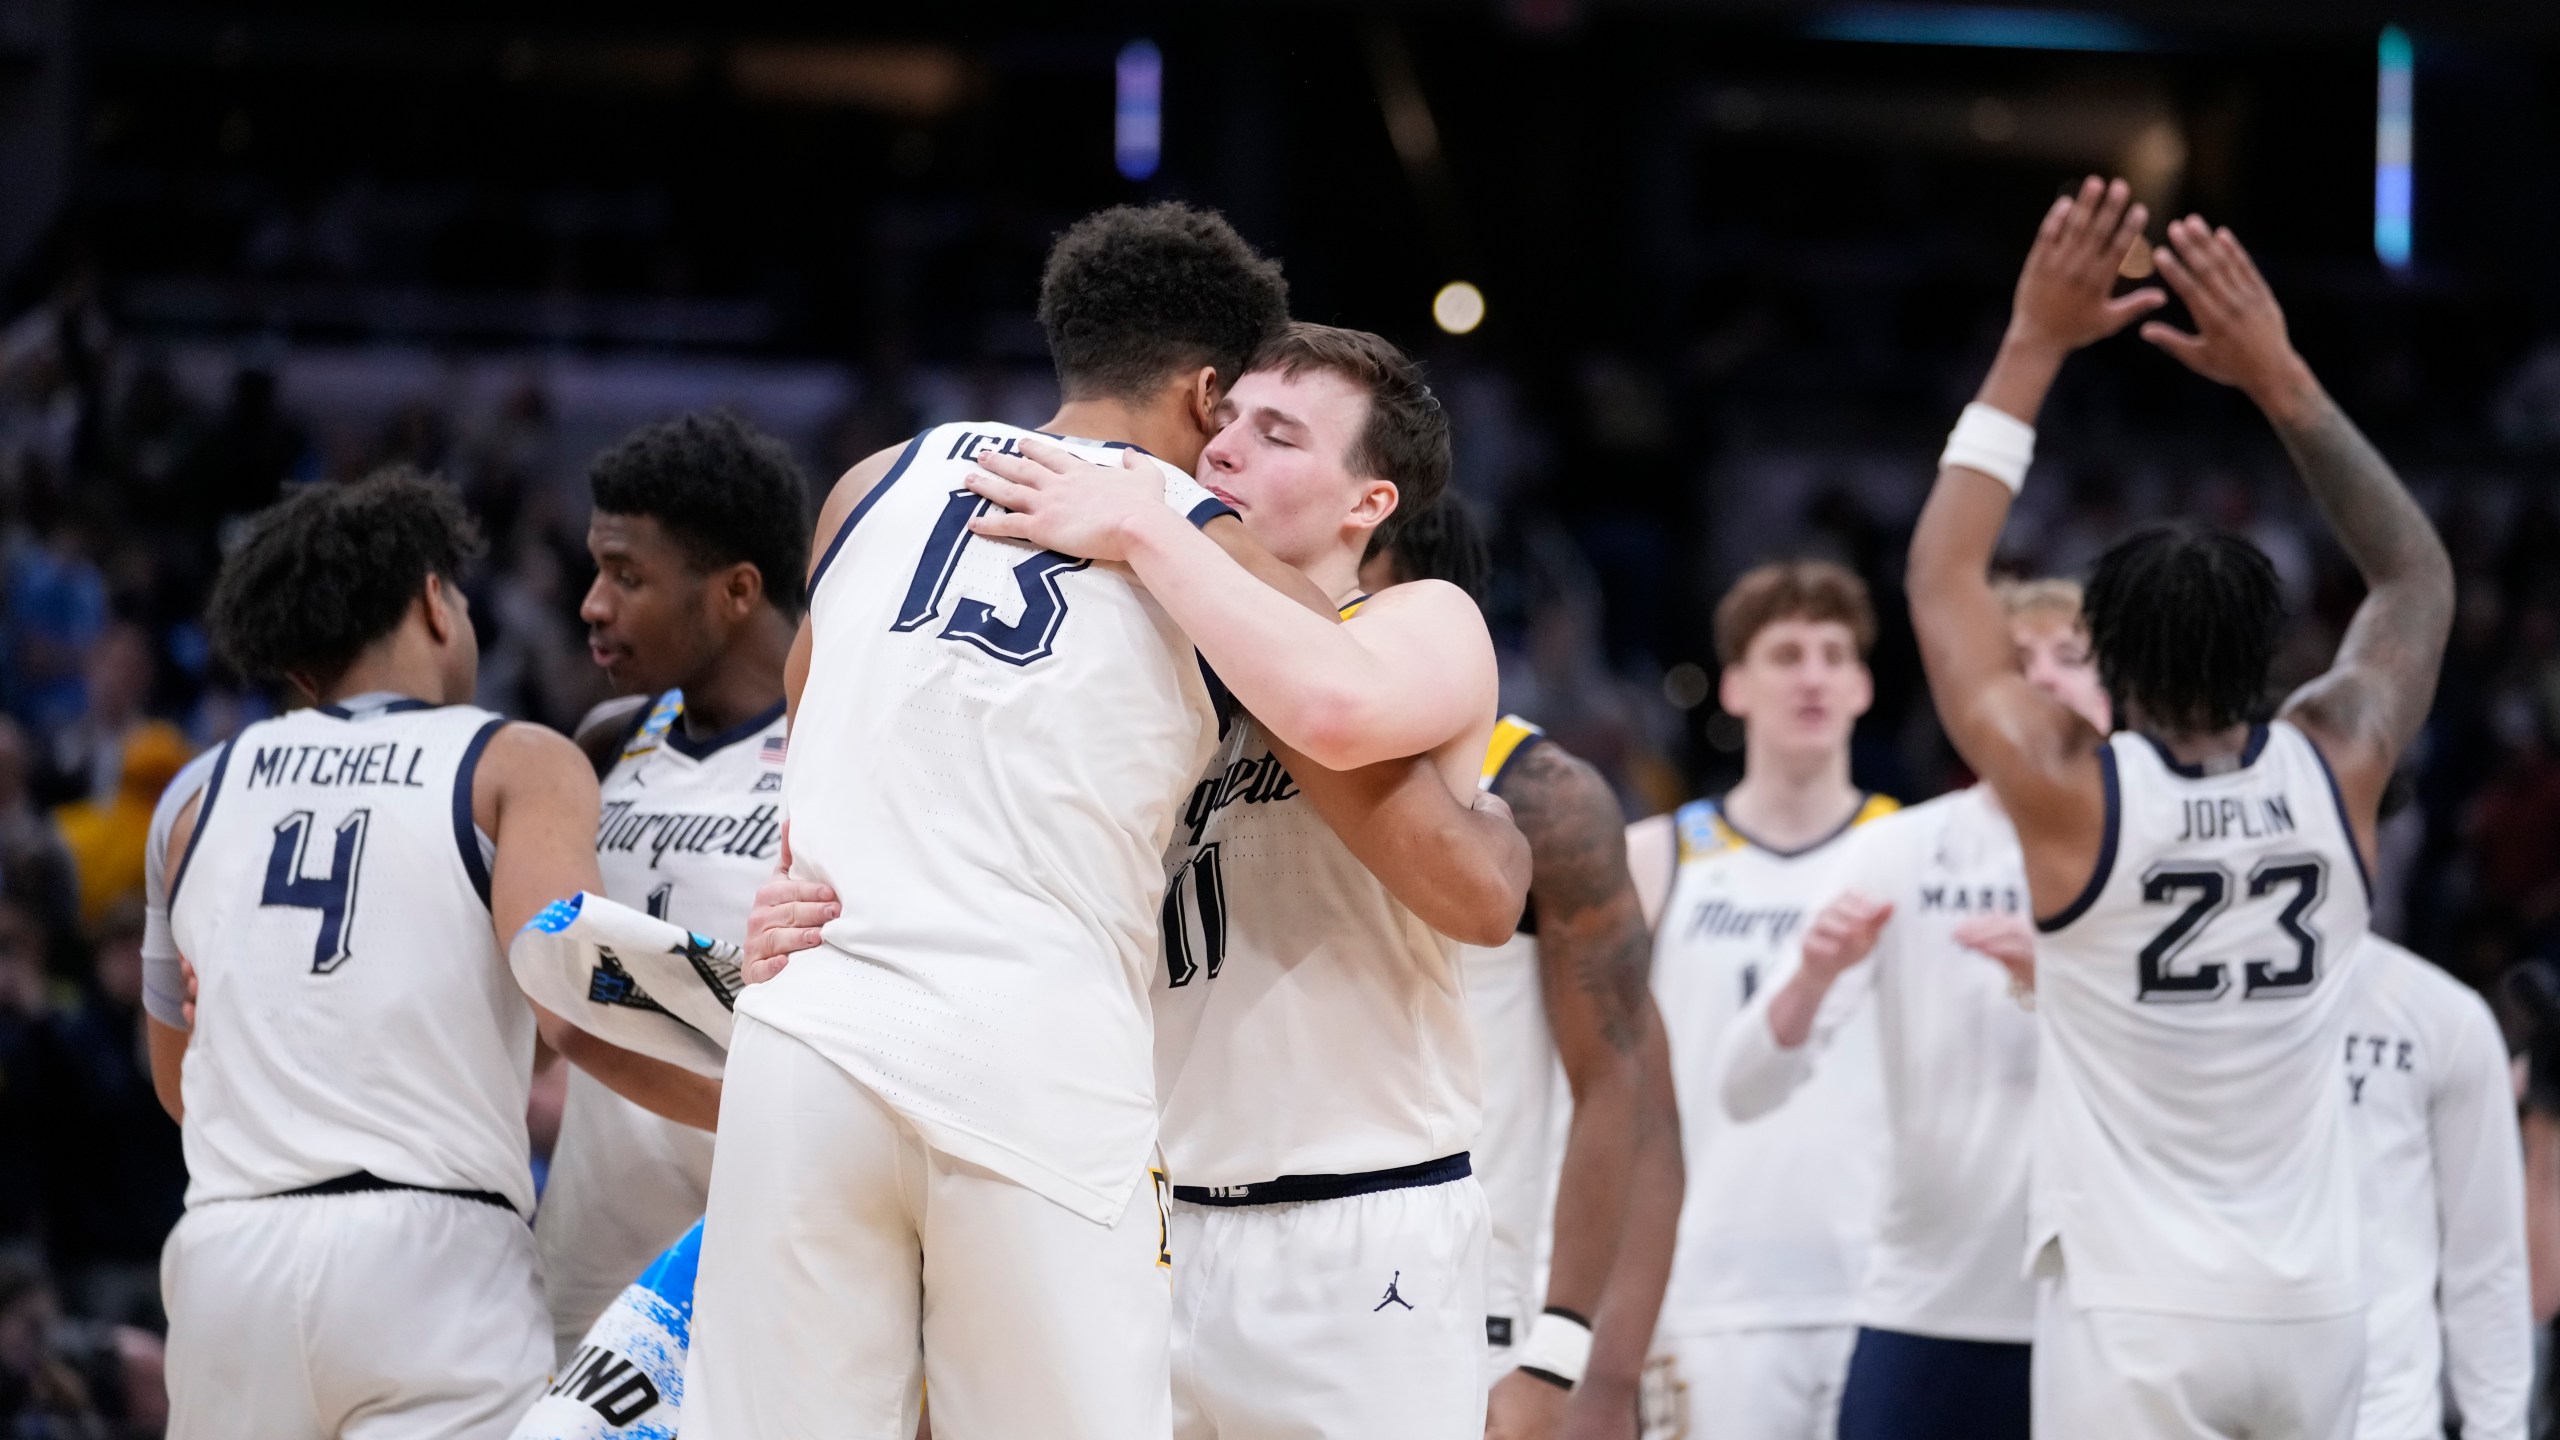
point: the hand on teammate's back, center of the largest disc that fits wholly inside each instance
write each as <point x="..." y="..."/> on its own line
<point x="1058" y="501"/>
<point x="2240" y="336"/>
<point x="1844" y="933"/>
<point x="2066" y="291"/>
<point x="785" y="920"/>
<point x="1524" y="1407"/>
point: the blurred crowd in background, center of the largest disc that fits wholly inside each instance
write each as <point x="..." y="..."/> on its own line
<point x="1743" y="266"/>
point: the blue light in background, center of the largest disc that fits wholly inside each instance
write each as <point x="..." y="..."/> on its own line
<point x="2393" y="133"/>
<point x="1979" y="26"/>
<point x="1137" y="133"/>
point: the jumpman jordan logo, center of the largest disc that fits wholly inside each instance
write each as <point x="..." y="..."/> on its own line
<point x="1392" y="1297"/>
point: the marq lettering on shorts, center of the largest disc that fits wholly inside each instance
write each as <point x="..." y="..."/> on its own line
<point x="1970" y="899"/>
<point x="610" y="1384"/>
<point x="387" y="762"/>
<point x="2236" y="818"/>
<point x="1724" y="920"/>
<point x="625" y="828"/>
<point x="1259" y="781"/>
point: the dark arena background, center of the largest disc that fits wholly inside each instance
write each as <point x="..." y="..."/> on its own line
<point x="1702" y="282"/>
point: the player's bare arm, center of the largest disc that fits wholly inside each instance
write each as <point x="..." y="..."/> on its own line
<point x="2038" y="756"/>
<point x="167" y="1043"/>
<point x="849" y="492"/>
<point x="1593" y="955"/>
<point x="535" y="797"/>
<point x="1413" y="672"/>
<point x="2366" y="710"/>
<point x="1631" y="1303"/>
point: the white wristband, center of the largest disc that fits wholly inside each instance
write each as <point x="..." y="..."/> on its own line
<point x="1558" y="1349"/>
<point x="1994" y="442"/>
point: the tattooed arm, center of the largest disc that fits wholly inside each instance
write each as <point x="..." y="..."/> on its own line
<point x="1593" y="957"/>
<point x="2370" y="704"/>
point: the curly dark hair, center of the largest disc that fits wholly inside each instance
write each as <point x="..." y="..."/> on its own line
<point x="2184" y="620"/>
<point x="1136" y="294"/>
<point x="723" y="489"/>
<point x="1439" y="541"/>
<point x="330" y="570"/>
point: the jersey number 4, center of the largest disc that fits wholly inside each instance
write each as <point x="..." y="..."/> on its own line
<point x="1031" y="638"/>
<point x="2207" y="890"/>
<point x="333" y="894"/>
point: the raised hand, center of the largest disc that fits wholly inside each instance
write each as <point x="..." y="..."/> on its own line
<point x="2240" y="337"/>
<point x="1057" y="500"/>
<point x="2066" y="292"/>
<point x="1844" y="933"/>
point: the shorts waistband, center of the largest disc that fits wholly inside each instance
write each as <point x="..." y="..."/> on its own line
<point x="1289" y="1189"/>
<point x="365" y="1182"/>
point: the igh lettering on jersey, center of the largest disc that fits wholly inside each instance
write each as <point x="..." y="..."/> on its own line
<point x="971" y="445"/>
<point x="1722" y="919"/>
<point x="1258" y="781"/>
<point x="627" y="828"/>
<point x="332" y="766"/>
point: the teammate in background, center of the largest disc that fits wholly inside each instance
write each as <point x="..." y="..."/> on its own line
<point x="1946" y="1313"/>
<point x="1564" y="995"/>
<point x="2199" y="878"/>
<point x="700" y="536"/>
<point x="355" y="1122"/>
<point x="993" y="795"/>
<point x="2432" y="1105"/>
<point x="1759" y="1318"/>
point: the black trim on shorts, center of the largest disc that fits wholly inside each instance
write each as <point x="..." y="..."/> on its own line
<point x="365" y="1182"/>
<point x="1292" y="1188"/>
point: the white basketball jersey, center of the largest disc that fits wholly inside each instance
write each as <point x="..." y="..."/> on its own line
<point x="353" y="1011"/>
<point x="1306" y="1022"/>
<point x="990" y="750"/>
<point x="2433" y="1109"/>
<point x="1959" y="1060"/>
<point x="1779" y="1213"/>
<point x="1527" y="1104"/>
<point x="689" y="830"/>
<point x="2192" y="1152"/>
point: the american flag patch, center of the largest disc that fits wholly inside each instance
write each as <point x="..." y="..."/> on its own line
<point x="773" y="749"/>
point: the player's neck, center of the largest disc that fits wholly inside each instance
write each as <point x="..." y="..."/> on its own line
<point x="1788" y="801"/>
<point x="743" y="680"/>
<point x="394" y="666"/>
<point x="1160" y="431"/>
<point x="2203" y="748"/>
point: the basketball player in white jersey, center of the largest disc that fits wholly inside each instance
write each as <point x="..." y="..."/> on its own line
<point x="1757" y="1324"/>
<point x="1583" y="1214"/>
<point x="1931" y="897"/>
<point x="1330" y="1262"/>
<point x="2433" y="1108"/>
<point x="700" y="536"/>
<point x="352" y="1090"/>
<point x="2200" y="879"/>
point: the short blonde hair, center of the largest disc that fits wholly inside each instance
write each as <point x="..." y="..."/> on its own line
<point x="2040" y="599"/>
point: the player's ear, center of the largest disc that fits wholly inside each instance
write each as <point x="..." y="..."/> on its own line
<point x="1377" y="500"/>
<point x="1205" y="391"/>
<point x="432" y="603"/>
<point x="742" y="589"/>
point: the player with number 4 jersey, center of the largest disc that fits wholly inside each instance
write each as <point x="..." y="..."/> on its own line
<point x="2200" y="876"/>
<point x="352" y="1090"/>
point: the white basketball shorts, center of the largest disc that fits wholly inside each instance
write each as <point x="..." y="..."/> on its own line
<point x="1781" y="1383"/>
<point x="382" y="1315"/>
<point x="845" y="1262"/>
<point x="625" y="1185"/>
<point x="1359" y="1316"/>
<point x="2132" y="1375"/>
